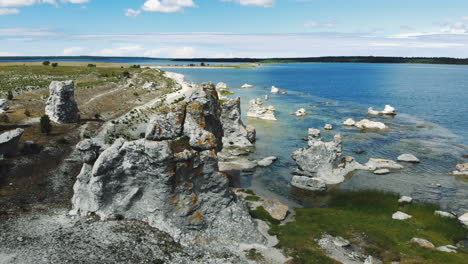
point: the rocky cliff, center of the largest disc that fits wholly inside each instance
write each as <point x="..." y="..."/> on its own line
<point x="169" y="178"/>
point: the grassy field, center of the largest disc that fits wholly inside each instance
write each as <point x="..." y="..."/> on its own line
<point x="364" y="218"/>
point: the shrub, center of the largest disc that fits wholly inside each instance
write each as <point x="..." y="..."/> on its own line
<point x="46" y="63"/>
<point x="202" y="64"/>
<point x="92" y="65"/>
<point x="55" y="64"/>
<point x="10" y="95"/>
<point x="135" y="67"/>
<point x="97" y="116"/>
<point x="126" y="74"/>
<point x="46" y="126"/>
<point x="62" y="141"/>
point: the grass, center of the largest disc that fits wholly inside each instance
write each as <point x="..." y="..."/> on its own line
<point x="364" y="218"/>
<point x="226" y="92"/>
<point x="262" y="214"/>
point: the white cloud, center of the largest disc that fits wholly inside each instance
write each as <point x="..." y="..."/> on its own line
<point x="4" y="53"/>
<point x="171" y="52"/>
<point x="132" y="13"/>
<point x="261" y="3"/>
<point x="9" y="11"/>
<point x="76" y="1"/>
<point x="317" y="24"/>
<point x="72" y="51"/>
<point x="167" y="6"/>
<point x="30" y="32"/>
<point x="130" y="50"/>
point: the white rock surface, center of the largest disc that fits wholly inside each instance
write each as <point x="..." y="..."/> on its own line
<point x="300" y="112"/>
<point x="446" y="249"/>
<point x="265" y="162"/>
<point x="405" y="199"/>
<point x="408" y="158"/>
<point x="247" y="85"/>
<point x="382" y="172"/>
<point x="4" y="105"/>
<point x="349" y="122"/>
<point x="401" y="216"/>
<point x="61" y="106"/>
<point x="9" y="141"/>
<point x="444" y="214"/>
<point x="256" y="110"/>
<point x="275" y="90"/>
<point x="328" y="127"/>
<point x="388" y="110"/>
<point x="374" y="164"/>
<point x="464" y="219"/>
<point x="221" y="86"/>
<point x="461" y="169"/>
<point x="150" y="86"/>
<point x="368" y="124"/>
<point x="236" y="134"/>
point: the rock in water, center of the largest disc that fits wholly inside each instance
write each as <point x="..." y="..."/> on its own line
<point x="236" y="134"/>
<point x="171" y="181"/>
<point x="221" y="86"/>
<point x="401" y="216"/>
<point x="328" y="127"/>
<point x="276" y="209"/>
<point x="381" y="172"/>
<point x="256" y="110"/>
<point x="9" y="141"/>
<point x="274" y="90"/>
<point x="300" y="112"/>
<point x="4" y="105"/>
<point x="388" y="110"/>
<point x="367" y="124"/>
<point x="420" y="242"/>
<point x="408" y="158"/>
<point x="349" y="122"/>
<point x="461" y="170"/>
<point x="247" y="85"/>
<point x="322" y="161"/>
<point x="375" y="164"/>
<point x="265" y="162"/>
<point x="61" y="106"/>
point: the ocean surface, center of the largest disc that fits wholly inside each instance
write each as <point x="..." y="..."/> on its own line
<point x="432" y="124"/>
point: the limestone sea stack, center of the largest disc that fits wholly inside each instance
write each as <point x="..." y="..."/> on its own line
<point x="236" y="134"/>
<point x="388" y="110"/>
<point x="170" y="178"/>
<point x="257" y="110"/>
<point x="61" y="106"/>
<point x="321" y="163"/>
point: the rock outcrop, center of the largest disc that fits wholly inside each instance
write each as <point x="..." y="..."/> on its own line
<point x="256" y="110"/>
<point x="408" y="158"/>
<point x="421" y="242"/>
<point x="61" y="106"/>
<point x="221" y="86"/>
<point x="328" y="127"/>
<point x="464" y="219"/>
<point x="321" y="163"/>
<point x="150" y="86"/>
<point x="275" y="90"/>
<point x="388" y="110"/>
<point x="9" y="141"/>
<point x="461" y="169"/>
<point x="300" y="112"/>
<point x="276" y="209"/>
<point x="368" y="124"/>
<point x="4" y="105"/>
<point x="169" y="179"/>
<point x="401" y="216"/>
<point x="349" y="122"/>
<point x="247" y="85"/>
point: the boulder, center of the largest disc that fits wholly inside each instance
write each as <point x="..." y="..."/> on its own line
<point x="328" y="127"/>
<point x="89" y="150"/>
<point x="265" y="162"/>
<point x="9" y="141"/>
<point x="405" y="199"/>
<point x="150" y="86"/>
<point x="308" y="183"/>
<point x="61" y="106"/>
<point x="401" y="216"/>
<point x="464" y="219"/>
<point x="368" y="124"/>
<point x="341" y="242"/>
<point x="408" y="158"/>
<point x="447" y="249"/>
<point x="251" y="134"/>
<point x="167" y="122"/>
<point x="247" y="85"/>
<point x="461" y="170"/>
<point x="388" y="110"/>
<point x="4" y="105"/>
<point x="323" y="161"/>
<point x="221" y="86"/>
<point x="370" y="260"/>
<point x="300" y="112"/>
<point x="276" y="209"/>
<point x="444" y="214"/>
<point x="30" y="147"/>
<point x="374" y="164"/>
<point x="275" y="90"/>
<point x="381" y="172"/>
<point x="171" y="182"/>
<point x="236" y="134"/>
<point x="349" y="122"/>
<point x="256" y="110"/>
<point x="420" y="242"/>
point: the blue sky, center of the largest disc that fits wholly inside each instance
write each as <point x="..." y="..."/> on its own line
<point x="234" y="28"/>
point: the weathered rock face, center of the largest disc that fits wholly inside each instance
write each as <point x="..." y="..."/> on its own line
<point x="150" y="86"/>
<point x="61" y="106"/>
<point x="236" y="134"/>
<point x="256" y="110"/>
<point x="420" y="242"/>
<point x="170" y="179"/>
<point x="322" y="162"/>
<point x="368" y="124"/>
<point x="9" y="141"/>
<point x="4" y="105"/>
<point x="89" y="151"/>
<point x="408" y="158"/>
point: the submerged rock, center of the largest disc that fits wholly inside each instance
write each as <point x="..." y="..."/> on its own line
<point x="256" y="110"/>
<point x="328" y="127"/>
<point x="401" y="216"/>
<point x="300" y="112"/>
<point x="9" y="141"/>
<point x="275" y="90"/>
<point x="408" y="158"/>
<point x="322" y="161"/>
<point x="170" y="179"/>
<point x="461" y="170"/>
<point x="421" y="242"/>
<point x="374" y="164"/>
<point x="267" y="97"/>
<point x="276" y="209"/>
<point x="388" y="110"/>
<point x="368" y="124"/>
<point x="349" y="122"/>
<point x="61" y="106"/>
<point x="265" y="162"/>
<point x="308" y="183"/>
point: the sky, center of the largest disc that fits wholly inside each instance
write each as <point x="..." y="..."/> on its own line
<point x="234" y="28"/>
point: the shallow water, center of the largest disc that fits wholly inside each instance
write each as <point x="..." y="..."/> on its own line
<point x="431" y="101"/>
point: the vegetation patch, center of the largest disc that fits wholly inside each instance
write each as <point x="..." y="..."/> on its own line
<point x="364" y="218"/>
<point x="262" y="214"/>
<point x="252" y="198"/>
<point x="226" y="92"/>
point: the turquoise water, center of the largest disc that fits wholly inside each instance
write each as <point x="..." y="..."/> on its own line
<point x="432" y="123"/>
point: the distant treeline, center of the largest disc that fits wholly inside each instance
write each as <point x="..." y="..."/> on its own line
<point x="353" y="59"/>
